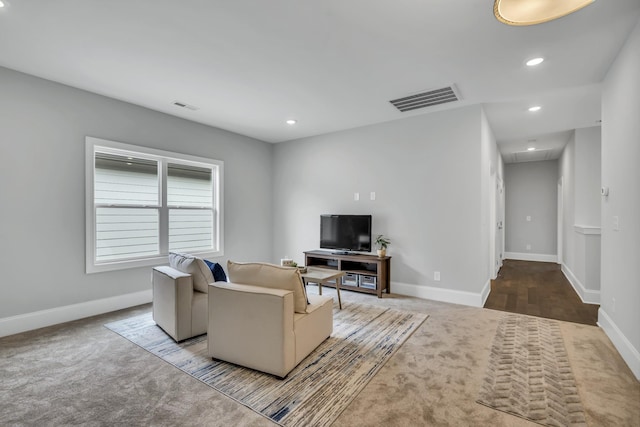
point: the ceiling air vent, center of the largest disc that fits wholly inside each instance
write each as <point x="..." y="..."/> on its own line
<point x="184" y="105"/>
<point x="426" y="99"/>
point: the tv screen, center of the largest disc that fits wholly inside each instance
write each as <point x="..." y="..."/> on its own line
<point x="345" y="232"/>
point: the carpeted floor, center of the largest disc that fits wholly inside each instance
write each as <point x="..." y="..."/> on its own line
<point x="316" y="391"/>
<point x="529" y="374"/>
<point x="82" y="373"/>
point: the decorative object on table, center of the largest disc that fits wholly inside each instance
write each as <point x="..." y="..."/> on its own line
<point x="382" y="243"/>
<point x="317" y="391"/>
<point x="287" y="262"/>
<point x="302" y="269"/>
<point x="529" y="375"/>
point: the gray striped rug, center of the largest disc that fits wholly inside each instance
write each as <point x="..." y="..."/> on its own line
<point x="317" y="390"/>
<point x="529" y="373"/>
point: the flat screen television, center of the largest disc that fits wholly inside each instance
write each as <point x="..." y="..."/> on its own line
<point x="345" y="233"/>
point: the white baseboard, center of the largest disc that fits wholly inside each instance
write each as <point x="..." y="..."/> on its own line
<point x="439" y="294"/>
<point x="40" y="319"/>
<point x="628" y="352"/>
<point x="531" y="257"/>
<point x="588" y="296"/>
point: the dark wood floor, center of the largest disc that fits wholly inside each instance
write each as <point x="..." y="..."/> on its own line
<point x="538" y="289"/>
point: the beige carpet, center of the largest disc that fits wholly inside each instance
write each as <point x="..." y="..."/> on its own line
<point x="529" y="374"/>
<point x="316" y="391"/>
<point x="81" y="373"/>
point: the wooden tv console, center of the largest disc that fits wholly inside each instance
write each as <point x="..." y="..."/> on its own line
<point x="364" y="273"/>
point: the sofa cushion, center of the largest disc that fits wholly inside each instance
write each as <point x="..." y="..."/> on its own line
<point x="195" y="266"/>
<point x="270" y="276"/>
<point x="218" y="272"/>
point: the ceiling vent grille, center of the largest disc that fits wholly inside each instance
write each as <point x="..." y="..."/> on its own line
<point x="426" y="99"/>
<point x="184" y="105"/>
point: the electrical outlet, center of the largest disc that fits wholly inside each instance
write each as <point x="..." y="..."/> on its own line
<point x="528" y="218"/>
<point x="436" y="276"/>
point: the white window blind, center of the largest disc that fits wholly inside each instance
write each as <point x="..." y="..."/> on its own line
<point x="143" y="203"/>
<point x="126" y="199"/>
<point x="190" y="201"/>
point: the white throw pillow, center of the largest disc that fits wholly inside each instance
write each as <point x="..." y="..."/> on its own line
<point x="270" y="276"/>
<point x="195" y="266"/>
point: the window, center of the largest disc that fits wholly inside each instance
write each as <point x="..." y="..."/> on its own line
<point x="143" y="203"/>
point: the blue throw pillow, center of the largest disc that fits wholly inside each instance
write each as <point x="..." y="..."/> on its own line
<point x="217" y="271"/>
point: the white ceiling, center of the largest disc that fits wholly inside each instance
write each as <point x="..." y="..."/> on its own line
<point x="249" y="65"/>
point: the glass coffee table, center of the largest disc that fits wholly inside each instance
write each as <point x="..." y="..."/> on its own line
<point x="323" y="275"/>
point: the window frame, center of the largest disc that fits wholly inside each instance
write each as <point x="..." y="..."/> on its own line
<point x="92" y="145"/>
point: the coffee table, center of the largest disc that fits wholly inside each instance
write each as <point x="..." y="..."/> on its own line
<point x="323" y="275"/>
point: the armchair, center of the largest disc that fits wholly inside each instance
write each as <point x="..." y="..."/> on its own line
<point x="264" y="322"/>
<point x="180" y="296"/>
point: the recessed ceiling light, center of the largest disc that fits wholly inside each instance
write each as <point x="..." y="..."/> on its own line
<point x="531" y="149"/>
<point x="535" y="108"/>
<point x="1" y="4"/>
<point x="535" y="61"/>
<point x="291" y="122"/>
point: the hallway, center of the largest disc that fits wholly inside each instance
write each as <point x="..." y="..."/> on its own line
<point x="538" y="289"/>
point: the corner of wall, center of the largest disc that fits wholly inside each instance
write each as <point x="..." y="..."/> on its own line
<point x="628" y="352"/>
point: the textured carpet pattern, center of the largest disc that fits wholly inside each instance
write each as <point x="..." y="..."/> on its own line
<point x="317" y="390"/>
<point x="529" y="373"/>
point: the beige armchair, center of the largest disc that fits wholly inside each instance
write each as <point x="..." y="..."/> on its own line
<point x="180" y="296"/>
<point x="261" y="319"/>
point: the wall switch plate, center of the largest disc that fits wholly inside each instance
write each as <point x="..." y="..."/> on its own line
<point x="356" y="196"/>
<point x="436" y="276"/>
<point x="528" y="247"/>
<point x="372" y="196"/>
<point x="616" y="223"/>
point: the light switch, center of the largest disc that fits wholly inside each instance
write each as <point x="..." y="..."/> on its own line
<point x="616" y="223"/>
<point x="356" y="196"/>
<point x="372" y="196"/>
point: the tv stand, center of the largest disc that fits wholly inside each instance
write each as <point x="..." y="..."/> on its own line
<point x="364" y="273"/>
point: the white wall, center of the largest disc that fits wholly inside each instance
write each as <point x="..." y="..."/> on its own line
<point x="531" y="191"/>
<point x="43" y="127"/>
<point x="428" y="175"/>
<point x="579" y="168"/>
<point x="588" y="159"/>
<point x="620" y="279"/>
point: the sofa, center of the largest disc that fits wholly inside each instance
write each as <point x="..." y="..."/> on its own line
<point x="180" y="296"/>
<point x="264" y="320"/>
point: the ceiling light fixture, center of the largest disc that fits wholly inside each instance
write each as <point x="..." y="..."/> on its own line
<point x="535" y="108"/>
<point x="535" y="61"/>
<point x="531" y="149"/>
<point x="1" y="4"/>
<point x="291" y="122"/>
<point x="531" y="12"/>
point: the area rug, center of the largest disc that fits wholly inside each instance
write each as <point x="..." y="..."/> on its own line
<point x="317" y="390"/>
<point x="529" y="375"/>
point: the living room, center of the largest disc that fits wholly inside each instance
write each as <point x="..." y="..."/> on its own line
<point x="432" y="175"/>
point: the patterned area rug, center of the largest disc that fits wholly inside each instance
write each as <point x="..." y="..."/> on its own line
<point x="529" y="373"/>
<point x="317" y="390"/>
